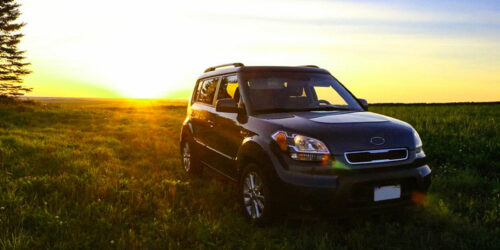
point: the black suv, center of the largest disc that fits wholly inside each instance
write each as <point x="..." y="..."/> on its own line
<point x="296" y="138"/>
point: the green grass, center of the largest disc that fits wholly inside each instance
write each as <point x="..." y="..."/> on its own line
<point x="109" y="176"/>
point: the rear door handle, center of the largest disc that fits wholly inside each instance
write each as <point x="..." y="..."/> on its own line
<point x="211" y="123"/>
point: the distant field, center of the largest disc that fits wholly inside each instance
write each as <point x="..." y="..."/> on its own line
<point x="107" y="175"/>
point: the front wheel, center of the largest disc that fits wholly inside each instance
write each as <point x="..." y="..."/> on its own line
<point x="256" y="197"/>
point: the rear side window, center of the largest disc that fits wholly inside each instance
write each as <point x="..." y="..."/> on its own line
<point x="206" y="91"/>
<point x="228" y="88"/>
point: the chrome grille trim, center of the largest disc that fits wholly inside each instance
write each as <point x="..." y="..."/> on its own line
<point x="376" y="151"/>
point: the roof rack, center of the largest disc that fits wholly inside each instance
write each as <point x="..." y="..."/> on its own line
<point x="237" y="64"/>
<point x="309" y="66"/>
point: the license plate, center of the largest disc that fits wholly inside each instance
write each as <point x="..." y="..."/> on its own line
<point x="387" y="193"/>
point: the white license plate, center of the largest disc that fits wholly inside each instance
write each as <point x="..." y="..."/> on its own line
<point x="387" y="193"/>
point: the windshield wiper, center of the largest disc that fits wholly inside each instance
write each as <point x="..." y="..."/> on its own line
<point x="280" y="110"/>
<point x="329" y="108"/>
<point x="284" y="110"/>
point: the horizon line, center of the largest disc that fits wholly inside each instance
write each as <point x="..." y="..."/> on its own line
<point x="186" y="100"/>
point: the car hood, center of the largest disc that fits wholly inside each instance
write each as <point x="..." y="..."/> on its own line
<point x="345" y="131"/>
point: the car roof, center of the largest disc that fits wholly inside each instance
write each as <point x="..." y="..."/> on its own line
<point x="215" y="72"/>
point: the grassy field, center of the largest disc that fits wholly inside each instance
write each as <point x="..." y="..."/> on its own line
<point x="108" y="175"/>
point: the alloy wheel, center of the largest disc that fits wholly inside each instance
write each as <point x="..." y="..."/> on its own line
<point x="253" y="195"/>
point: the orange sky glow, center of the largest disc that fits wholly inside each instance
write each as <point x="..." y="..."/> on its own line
<point x="393" y="51"/>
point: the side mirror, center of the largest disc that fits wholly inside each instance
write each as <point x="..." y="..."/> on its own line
<point x="226" y="105"/>
<point x="363" y="103"/>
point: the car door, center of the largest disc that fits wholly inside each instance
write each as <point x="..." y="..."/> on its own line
<point x="202" y="118"/>
<point x="227" y="136"/>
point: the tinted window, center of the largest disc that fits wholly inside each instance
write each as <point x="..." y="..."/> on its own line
<point x="228" y="88"/>
<point x="206" y="91"/>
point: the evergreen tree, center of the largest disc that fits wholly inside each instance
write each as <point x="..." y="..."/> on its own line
<point x="12" y="67"/>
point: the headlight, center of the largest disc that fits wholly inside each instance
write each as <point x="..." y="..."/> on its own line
<point x="302" y="148"/>
<point x="418" y="145"/>
<point x="418" y="141"/>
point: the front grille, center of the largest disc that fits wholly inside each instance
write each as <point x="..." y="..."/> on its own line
<point x="376" y="156"/>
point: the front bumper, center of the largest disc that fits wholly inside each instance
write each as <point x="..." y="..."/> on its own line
<point x="352" y="190"/>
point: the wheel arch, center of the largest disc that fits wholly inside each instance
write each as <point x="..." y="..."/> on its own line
<point x="252" y="151"/>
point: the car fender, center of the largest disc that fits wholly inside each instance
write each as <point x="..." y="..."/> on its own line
<point x="254" y="150"/>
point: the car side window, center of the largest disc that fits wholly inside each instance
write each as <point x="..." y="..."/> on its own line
<point x="206" y="91"/>
<point x="228" y="88"/>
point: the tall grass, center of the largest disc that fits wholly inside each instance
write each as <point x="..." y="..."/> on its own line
<point x="109" y="176"/>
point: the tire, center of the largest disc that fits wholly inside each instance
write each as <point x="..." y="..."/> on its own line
<point x="189" y="158"/>
<point x="255" y="196"/>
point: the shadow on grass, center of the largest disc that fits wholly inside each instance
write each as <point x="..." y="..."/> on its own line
<point x="432" y="225"/>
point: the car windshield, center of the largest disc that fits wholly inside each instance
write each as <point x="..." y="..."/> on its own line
<point x="297" y="91"/>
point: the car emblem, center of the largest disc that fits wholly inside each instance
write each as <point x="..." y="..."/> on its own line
<point x="377" y="140"/>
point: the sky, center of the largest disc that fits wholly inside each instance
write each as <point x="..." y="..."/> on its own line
<point x="383" y="51"/>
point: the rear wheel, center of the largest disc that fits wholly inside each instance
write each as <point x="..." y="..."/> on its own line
<point x="189" y="158"/>
<point x="256" y="198"/>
